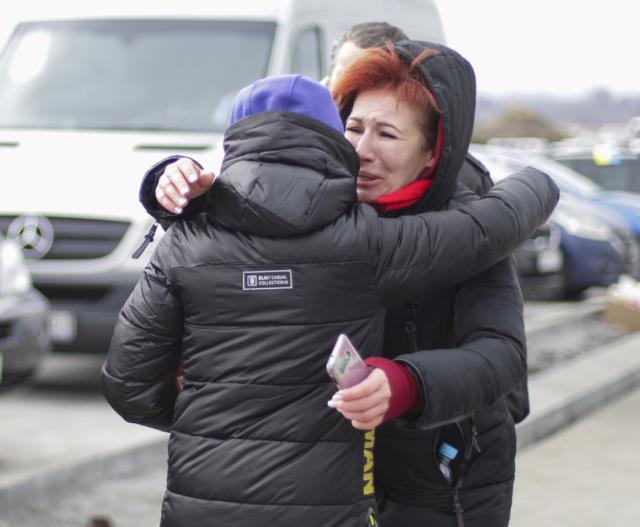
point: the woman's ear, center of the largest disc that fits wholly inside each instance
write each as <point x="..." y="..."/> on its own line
<point x="429" y="159"/>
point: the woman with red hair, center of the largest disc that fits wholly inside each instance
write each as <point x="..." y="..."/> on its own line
<point x="454" y="365"/>
<point x="405" y="108"/>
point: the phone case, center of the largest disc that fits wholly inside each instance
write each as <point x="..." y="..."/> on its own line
<point x="345" y="366"/>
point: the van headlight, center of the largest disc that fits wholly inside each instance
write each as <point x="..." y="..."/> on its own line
<point x="14" y="274"/>
<point x="582" y="227"/>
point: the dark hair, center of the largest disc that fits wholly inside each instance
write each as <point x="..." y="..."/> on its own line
<point x="369" y="35"/>
<point x="383" y="68"/>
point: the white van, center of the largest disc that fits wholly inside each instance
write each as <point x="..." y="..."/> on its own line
<point x="91" y="97"/>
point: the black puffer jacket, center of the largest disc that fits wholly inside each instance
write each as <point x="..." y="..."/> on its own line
<point x="252" y="439"/>
<point x="472" y="363"/>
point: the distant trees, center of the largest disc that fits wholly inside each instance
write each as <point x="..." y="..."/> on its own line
<point x="518" y="121"/>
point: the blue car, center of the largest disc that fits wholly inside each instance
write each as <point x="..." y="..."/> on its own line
<point x="596" y="244"/>
<point x="624" y="204"/>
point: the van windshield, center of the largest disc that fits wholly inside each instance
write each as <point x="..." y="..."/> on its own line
<point x="129" y="74"/>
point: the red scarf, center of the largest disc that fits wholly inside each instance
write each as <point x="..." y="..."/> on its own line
<point x="413" y="192"/>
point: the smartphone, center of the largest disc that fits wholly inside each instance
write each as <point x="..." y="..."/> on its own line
<point x="345" y="366"/>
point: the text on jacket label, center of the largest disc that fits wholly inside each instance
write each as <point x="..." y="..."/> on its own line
<point x="255" y="280"/>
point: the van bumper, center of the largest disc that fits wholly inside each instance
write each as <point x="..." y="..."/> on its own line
<point x="84" y="311"/>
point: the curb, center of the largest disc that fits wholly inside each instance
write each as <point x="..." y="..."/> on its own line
<point x="570" y="390"/>
<point x="542" y="326"/>
<point x="84" y="473"/>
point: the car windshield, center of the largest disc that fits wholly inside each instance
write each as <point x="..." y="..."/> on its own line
<point x="129" y="74"/>
<point x="622" y="175"/>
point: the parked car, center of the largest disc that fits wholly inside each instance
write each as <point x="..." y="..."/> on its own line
<point x="596" y="245"/>
<point x="539" y="260"/>
<point x="610" y="167"/>
<point x="24" y="339"/>
<point x="539" y="263"/>
<point x="92" y="94"/>
<point x="622" y="204"/>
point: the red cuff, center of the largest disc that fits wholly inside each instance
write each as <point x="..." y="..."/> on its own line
<point x="404" y="389"/>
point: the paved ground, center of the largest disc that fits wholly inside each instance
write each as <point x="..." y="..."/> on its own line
<point x="74" y="479"/>
<point x="61" y="423"/>
<point x="48" y="431"/>
<point x="587" y="475"/>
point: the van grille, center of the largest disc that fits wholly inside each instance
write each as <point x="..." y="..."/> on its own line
<point x="67" y="294"/>
<point x="79" y="239"/>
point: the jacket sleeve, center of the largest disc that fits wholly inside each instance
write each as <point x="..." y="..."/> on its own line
<point x="436" y="250"/>
<point x="489" y="359"/>
<point x="147" y="195"/>
<point x="138" y="376"/>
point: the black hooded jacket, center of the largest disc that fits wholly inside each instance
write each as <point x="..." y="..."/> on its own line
<point x="465" y="345"/>
<point x="252" y="439"/>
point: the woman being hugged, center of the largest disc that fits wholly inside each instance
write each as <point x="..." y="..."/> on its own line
<point x="463" y="347"/>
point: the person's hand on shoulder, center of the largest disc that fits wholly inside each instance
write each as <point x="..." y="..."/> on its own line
<point x="180" y="182"/>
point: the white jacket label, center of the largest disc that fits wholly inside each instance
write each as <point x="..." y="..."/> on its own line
<point x="253" y="280"/>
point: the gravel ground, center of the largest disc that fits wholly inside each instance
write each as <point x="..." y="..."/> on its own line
<point x="569" y="340"/>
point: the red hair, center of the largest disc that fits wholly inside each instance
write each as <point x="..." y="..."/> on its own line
<point x="382" y="68"/>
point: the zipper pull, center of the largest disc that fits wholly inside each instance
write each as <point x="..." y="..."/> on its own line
<point x="410" y="328"/>
<point x="474" y="435"/>
<point x="457" y="509"/>
<point x="410" y="324"/>
<point x="148" y="238"/>
<point x="471" y="443"/>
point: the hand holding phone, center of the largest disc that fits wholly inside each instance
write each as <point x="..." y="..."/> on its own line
<point x="345" y="366"/>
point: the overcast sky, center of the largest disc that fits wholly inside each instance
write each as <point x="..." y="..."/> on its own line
<point x="560" y="47"/>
